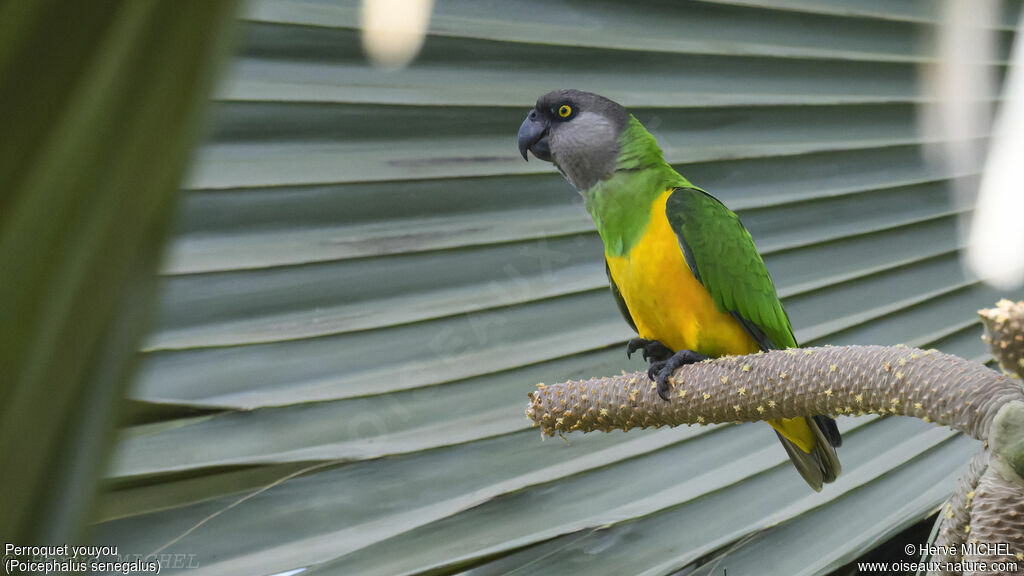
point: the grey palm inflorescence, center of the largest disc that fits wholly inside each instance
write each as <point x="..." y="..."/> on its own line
<point x="988" y="506"/>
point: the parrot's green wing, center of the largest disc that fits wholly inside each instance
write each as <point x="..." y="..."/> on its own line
<point x="722" y="255"/>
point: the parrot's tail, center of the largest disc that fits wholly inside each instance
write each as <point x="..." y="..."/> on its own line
<point x="820" y="465"/>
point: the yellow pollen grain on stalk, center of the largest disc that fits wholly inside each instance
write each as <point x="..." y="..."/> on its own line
<point x="742" y="391"/>
<point x="967" y="529"/>
<point x="736" y="407"/>
<point x="682" y="394"/>
<point x="918" y="405"/>
<point x="700" y="419"/>
<point x="828" y="392"/>
<point x="899" y="375"/>
<point x="926" y="419"/>
<point x="746" y="367"/>
<point x="583" y="397"/>
<point x="1020" y="555"/>
<point x="760" y="409"/>
<point x="707" y="396"/>
<point x="833" y="368"/>
<point x="808" y="351"/>
<point x="859" y="398"/>
<point x="654" y="384"/>
<point x="725" y="379"/>
<point x="894" y="401"/>
<point x="604" y="411"/>
<point x="783" y="376"/>
<point x="771" y="403"/>
<point x="541" y="386"/>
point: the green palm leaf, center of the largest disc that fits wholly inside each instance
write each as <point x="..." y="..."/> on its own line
<point x="366" y="281"/>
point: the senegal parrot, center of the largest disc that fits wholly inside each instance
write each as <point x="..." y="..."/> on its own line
<point x="684" y="271"/>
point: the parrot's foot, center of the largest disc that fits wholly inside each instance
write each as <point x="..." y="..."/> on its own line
<point x="660" y="371"/>
<point x="653" y="351"/>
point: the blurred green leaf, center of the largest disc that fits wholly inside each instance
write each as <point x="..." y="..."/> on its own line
<point x="100" y="104"/>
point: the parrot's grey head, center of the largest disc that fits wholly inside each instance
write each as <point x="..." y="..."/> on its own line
<point x="576" y="131"/>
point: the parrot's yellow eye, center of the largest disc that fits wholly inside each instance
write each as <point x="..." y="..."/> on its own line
<point x="564" y="110"/>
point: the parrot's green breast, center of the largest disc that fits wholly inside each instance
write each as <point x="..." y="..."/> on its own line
<point x="621" y="205"/>
<point x="666" y="300"/>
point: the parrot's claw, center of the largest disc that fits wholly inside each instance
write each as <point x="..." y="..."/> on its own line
<point x="661" y="370"/>
<point x="652" y="349"/>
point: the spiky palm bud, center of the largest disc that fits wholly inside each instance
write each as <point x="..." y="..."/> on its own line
<point x="955" y="515"/>
<point x="786" y="384"/>
<point x="988" y="506"/>
<point x="1004" y="332"/>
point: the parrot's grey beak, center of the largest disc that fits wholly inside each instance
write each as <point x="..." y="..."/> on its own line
<point x="533" y="136"/>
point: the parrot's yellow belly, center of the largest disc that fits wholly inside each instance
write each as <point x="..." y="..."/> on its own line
<point x="669" y="305"/>
<point x="665" y="299"/>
